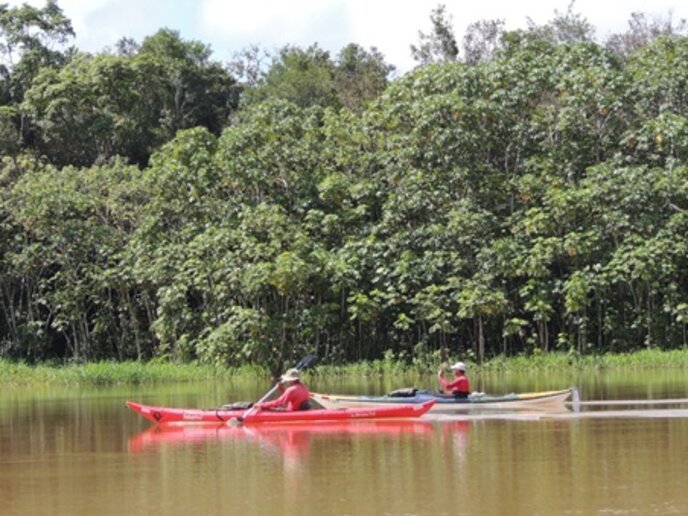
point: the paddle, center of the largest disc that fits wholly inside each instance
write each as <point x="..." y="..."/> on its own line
<point x="305" y="363"/>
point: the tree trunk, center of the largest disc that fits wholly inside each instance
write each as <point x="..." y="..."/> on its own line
<point x="481" y="340"/>
<point x="649" y="320"/>
<point x="600" y="330"/>
<point x="544" y="336"/>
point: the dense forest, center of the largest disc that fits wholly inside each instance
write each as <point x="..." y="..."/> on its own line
<point x="517" y="192"/>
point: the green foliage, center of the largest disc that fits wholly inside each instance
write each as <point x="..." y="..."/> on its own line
<point x="305" y="77"/>
<point x="360" y="76"/>
<point x="440" y="44"/>
<point x="64" y="265"/>
<point x="534" y="204"/>
<point x="96" y="107"/>
<point x="310" y="77"/>
<point x="28" y="36"/>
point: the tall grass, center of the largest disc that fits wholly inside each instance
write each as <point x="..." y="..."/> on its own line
<point x="112" y="373"/>
<point x="553" y="362"/>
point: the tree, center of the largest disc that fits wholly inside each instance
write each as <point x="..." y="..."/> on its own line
<point x="91" y="110"/>
<point x="127" y="47"/>
<point x="249" y="65"/>
<point x="10" y="138"/>
<point x="658" y="102"/>
<point x="192" y="89"/>
<point x="564" y="29"/>
<point x="310" y="77"/>
<point x="360" y="76"/>
<point x="571" y="27"/>
<point x="440" y="44"/>
<point x="482" y="40"/>
<point x="28" y="40"/>
<point x="72" y="297"/>
<point x="305" y="77"/>
<point x="27" y="35"/>
<point x="478" y="299"/>
<point x="100" y="106"/>
<point x="642" y="31"/>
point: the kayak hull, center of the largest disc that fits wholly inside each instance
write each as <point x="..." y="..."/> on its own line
<point x="167" y="415"/>
<point x="545" y="400"/>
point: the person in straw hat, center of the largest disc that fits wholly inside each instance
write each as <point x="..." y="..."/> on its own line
<point x="294" y="397"/>
<point x="459" y="387"/>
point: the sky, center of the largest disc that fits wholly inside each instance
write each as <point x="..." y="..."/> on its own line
<point x="391" y="26"/>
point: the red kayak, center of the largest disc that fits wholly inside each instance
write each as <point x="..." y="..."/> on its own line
<point x="164" y="415"/>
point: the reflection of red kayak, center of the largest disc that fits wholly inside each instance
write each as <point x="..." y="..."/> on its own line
<point x="281" y="434"/>
<point x="163" y="415"/>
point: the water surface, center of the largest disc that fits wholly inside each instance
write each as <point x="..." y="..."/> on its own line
<point x="80" y="451"/>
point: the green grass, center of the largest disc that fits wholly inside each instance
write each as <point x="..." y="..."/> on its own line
<point x="553" y="362"/>
<point x="113" y="373"/>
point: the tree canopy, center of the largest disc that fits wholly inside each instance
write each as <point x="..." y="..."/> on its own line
<point x="529" y="198"/>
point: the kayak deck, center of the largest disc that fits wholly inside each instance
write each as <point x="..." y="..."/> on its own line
<point x="168" y="415"/>
<point x="543" y="399"/>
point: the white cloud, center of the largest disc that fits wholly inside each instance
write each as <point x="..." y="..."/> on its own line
<point x="264" y="18"/>
<point x="390" y="25"/>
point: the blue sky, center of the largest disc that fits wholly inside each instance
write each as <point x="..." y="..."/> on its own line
<point x="390" y="25"/>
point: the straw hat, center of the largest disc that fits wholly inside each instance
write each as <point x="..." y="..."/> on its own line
<point x="292" y="375"/>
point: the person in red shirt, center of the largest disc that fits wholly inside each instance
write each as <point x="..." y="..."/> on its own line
<point x="459" y="387"/>
<point x="295" y="397"/>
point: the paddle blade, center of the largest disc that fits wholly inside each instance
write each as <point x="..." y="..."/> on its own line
<point x="235" y="422"/>
<point x="306" y="362"/>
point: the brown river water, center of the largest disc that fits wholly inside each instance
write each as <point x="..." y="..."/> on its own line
<point x="623" y="450"/>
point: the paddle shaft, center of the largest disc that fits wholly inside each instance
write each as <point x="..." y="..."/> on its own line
<point x="254" y="407"/>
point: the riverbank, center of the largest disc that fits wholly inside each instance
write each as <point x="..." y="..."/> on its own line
<point x="112" y="373"/>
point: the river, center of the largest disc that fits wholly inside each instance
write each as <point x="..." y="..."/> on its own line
<point x="67" y="451"/>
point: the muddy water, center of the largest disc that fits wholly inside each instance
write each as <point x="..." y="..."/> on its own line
<point x="74" y="451"/>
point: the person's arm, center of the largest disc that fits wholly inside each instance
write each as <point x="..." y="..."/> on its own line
<point x="282" y="400"/>
<point x="453" y="385"/>
<point x="440" y="378"/>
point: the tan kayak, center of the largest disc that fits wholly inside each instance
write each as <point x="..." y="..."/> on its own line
<point x="545" y="400"/>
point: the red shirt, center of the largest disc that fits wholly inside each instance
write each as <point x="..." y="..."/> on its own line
<point x="293" y="398"/>
<point x="459" y="384"/>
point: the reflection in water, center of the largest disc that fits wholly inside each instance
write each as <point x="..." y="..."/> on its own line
<point x="292" y="440"/>
<point x="454" y="434"/>
<point x="300" y="457"/>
